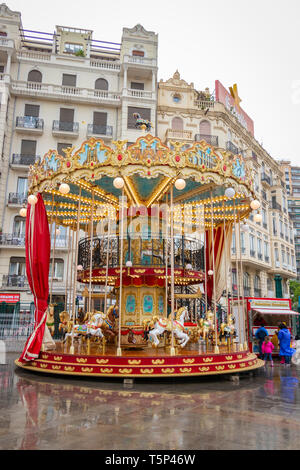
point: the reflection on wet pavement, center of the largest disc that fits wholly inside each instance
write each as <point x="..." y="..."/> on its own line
<point x="260" y="411"/>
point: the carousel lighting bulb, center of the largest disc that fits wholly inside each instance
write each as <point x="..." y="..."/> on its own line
<point x="255" y="204"/>
<point x="32" y="200"/>
<point x="118" y="182"/>
<point x="23" y="212"/>
<point x="257" y="218"/>
<point x="189" y="266"/>
<point x="79" y="267"/>
<point x="180" y="184"/>
<point x="210" y="272"/>
<point x="64" y="188"/>
<point x="129" y="264"/>
<point x="229" y="192"/>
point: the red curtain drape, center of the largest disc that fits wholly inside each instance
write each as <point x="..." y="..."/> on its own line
<point x="37" y="244"/>
<point x="220" y="254"/>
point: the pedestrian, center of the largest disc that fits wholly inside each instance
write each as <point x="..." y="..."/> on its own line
<point x="267" y="348"/>
<point x="284" y="338"/>
<point x="260" y="335"/>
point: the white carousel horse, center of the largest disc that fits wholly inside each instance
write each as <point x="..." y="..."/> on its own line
<point x="296" y="355"/>
<point x="164" y="324"/>
<point x="92" y="327"/>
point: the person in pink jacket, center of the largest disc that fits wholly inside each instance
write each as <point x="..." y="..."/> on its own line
<point x="267" y="348"/>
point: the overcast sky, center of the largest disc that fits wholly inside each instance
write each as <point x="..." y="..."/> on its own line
<point x="254" y="43"/>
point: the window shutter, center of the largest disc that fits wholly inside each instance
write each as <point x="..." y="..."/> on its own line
<point x="61" y="146"/>
<point x="137" y="86"/>
<point x="66" y="115"/>
<point x="35" y="76"/>
<point x="28" y="147"/>
<point x="101" y="84"/>
<point x="32" y="110"/>
<point x="69" y="80"/>
<point x="100" y="119"/>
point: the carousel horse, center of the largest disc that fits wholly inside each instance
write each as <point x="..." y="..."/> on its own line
<point x="108" y="324"/>
<point x="91" y="328"/>
<point x="164" y="324"/>
<point x="208" y="325"/>
<point x="141" y="122"/>
<point x="296" y="355"/>
<point x="65" y="325"/>
<point x="50" y="319"/>
<point x="229" y="328"/>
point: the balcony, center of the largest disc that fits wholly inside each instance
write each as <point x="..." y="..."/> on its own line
<point x="180" y="135"/>
<point x="247" y="291"/>
<point x="65" y="129"/>
<point x="20" y="161"/>
<point x="252" y="253"/>
<point x="15" y="281"/>
<point x="138" y="94"/>
<point x="137" y="60"/>
<point x="257" y="292"/>
<point x="267" y="259"/>
<point x="62" y="93"/>
<point x="210" y="139"/>
<point x="29" y="125"/>
<point x="6" y="44"/>
<point x="99" y="131"/>
<point x="265" y="178"/>
<point x="13" y="240"/>
<point x="260" y="256"/>
<point x="203" y="104"/>
<point x="232" y="148"/>
<point x="17" y="199"/>
<point x="265" y="225"/>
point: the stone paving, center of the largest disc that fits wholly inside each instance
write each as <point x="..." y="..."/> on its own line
<point x="257" y="411"/>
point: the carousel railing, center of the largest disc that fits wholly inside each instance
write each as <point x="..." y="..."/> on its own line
<point x="141" y="251"/>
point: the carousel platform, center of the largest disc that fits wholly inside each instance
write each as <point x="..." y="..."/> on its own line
<point x="142" y="363"/>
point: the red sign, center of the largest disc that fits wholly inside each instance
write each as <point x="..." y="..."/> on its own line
<point x="9" y="298"/>
<point x="223" y="96"/>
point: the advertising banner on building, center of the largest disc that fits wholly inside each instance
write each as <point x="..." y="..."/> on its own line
<point x="223" y="96"/>
<point x="9" y="298"/>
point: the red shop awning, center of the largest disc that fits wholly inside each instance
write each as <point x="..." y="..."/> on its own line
<point x="275" y="311"/>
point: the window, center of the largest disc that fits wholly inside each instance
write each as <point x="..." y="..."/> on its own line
<point x="58" y="269"/>
<point x="252" y="245"/>
<point x="69" y="80"/>
<point x="137" y="86"/>
<point x="19" y="226"/>
<point x="72" y="48"/>
<point x="259" y="248"/>
<point x="66" y="119"/>
<point x="17" y="266"/>
<point x="101" y="84"/>
<point x="177" y="124"/>
<point x="32" y="110"/>
<point x="99" y="123"/>
<point x="28" y="147"/>
<point x="61" y="146"/>
<point x="246" y="283"/>
<point x="35" y="76"/>
<point x="205" y="128"/>
<point x="145" y="113"/>
<point x="22" y="186"/>
<point x="233" y="244"/>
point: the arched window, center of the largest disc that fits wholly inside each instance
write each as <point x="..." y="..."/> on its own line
<point x="177" y="124"/>
<point x="205" y="128"/>
<point x="101" y="84"/>
<point x="35" y="76"/>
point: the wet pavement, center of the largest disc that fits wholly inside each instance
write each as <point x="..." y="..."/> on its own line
<point x="261" y="410"/>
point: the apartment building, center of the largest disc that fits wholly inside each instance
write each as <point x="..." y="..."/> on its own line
<point x="185" y="114"/>
<point x="292" y="180"/>
<point x="58" y="89"/>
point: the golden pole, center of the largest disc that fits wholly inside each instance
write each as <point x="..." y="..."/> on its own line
<point x="172" y="351"/>
<point x="214" y="274"/>
<point x="75" y="270"/>
<point x="166" y="260"/>
<point x="106" y="271"/>
<point x="226" y="267"/>
<point x="237" y="244"/>
<point x="121" y="229"/>
<point x="68" y="263"/>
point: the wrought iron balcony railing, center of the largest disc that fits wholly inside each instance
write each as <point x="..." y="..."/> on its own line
<point x="14" y="280"/>
<point x="25" y="160"/>
<point x="93" y="129"/>
<point x="30" y="122"/>
<point x="210" y="139"/>
<point x="17" y="198"/>
<point x="276" y="206"/>
<point x="65" y="126"/>
<point x="232" y="148"/>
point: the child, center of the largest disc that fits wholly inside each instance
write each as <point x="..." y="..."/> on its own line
<point x="267" y="348"/>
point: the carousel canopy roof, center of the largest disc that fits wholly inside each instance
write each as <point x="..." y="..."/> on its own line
<point x="148" y="168"/>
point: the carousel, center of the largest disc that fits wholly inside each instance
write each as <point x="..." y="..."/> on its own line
<point x="149" y="231"/>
